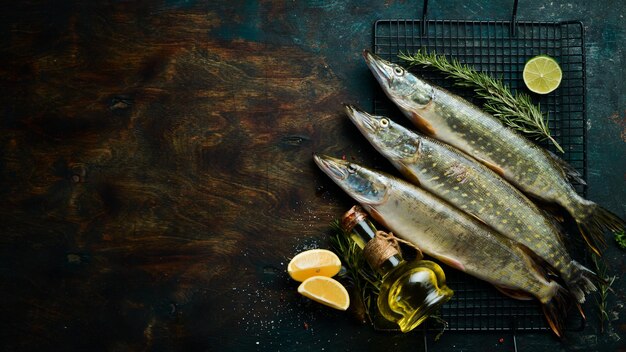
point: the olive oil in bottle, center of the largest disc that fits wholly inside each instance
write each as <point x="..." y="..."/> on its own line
<point x="411" y="290"/>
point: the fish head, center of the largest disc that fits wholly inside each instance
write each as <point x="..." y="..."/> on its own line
<point x="407" y="90"/>
<point x="392" y="140"/>
<point x="365" y="186"/>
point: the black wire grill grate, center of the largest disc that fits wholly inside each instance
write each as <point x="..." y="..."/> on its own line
<point x="492" y="46"/>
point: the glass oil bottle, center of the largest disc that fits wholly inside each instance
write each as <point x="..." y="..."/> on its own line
<point x="410" y="290"/>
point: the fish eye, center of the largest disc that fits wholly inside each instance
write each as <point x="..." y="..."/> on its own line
<point x="351" y="169"/>
<point x="384" y="123"/>
<point x="398" y="71"/>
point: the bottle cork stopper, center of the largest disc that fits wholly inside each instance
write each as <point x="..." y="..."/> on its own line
<point x="352" y="217"/>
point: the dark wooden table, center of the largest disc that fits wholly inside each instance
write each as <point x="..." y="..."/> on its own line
<point x="156" y="169"/>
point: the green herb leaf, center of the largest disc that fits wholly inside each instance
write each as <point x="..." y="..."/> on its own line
<point x="604" y="287"/>
<point x="514" y="110"/>
<point x="620" y="238"/>
<point x="358" y="272"/>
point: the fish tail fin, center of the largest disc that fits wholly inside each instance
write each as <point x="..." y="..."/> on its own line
<point x="578" y="279"/>
<point x="592" y="221"/>
<point x="579" y="307"/>
<point x="581" y="281"/>
<point x="554" y="307"/>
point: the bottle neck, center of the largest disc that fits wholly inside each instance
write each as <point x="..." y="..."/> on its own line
<point x="363" y="232"/>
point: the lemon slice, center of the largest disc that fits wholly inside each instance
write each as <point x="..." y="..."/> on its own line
<point x="325" y="290"/>
<point x="542" y="74"/>
<point x="314" y="262"/>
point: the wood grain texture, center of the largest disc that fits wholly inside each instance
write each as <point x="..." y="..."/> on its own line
<point x="156" y="171"/>
<point x="140" y="158"/>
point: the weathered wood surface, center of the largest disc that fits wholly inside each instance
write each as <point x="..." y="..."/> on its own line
<point x="150" y="169"/>
<point x="156" y="169"/>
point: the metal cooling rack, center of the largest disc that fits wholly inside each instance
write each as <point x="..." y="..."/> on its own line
<point x="500" y="48"/>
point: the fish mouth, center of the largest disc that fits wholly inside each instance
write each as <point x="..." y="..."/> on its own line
<point x="380" y="68"/>
<point x="333" y="167"/>
<point x="364" y="121"/>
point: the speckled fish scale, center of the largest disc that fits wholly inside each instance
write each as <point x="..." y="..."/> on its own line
<point x="457" y="122"/>
<point x="475" y="189"/>
<point x="439" y="229"/>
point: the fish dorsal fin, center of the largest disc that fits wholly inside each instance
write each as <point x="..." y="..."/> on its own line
<point x="515" y="293"/>
<point x="495" y="168"/>
<point x="552" y="211"/>
<point x="557" y="221"/>
<point x="538" y="263"/>
<point x="422" y="124"/>
<point x="554" y="216"/>
<point x="568" y="171"/>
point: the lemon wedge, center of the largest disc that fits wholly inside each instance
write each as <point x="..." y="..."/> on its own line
<point x="326" y="291"/>
<point x="314" y="262"/>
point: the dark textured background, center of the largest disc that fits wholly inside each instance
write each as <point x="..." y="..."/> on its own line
<point x="155" y="163"/>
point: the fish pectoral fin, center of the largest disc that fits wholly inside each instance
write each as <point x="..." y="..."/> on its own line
<point x="514" y="293"/>
<point x="375" y="215"/>
<point x="495" y="168"/>
<point x="451" y="262"/>
<point x="422" y="124"/>
<point x="409" y="175"/>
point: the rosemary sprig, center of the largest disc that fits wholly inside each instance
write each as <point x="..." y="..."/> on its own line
<point x="515" y="110"/>
<point x="603" y="290"/>
<point x="365" y="280"/>
<point x="352" y="255"/>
